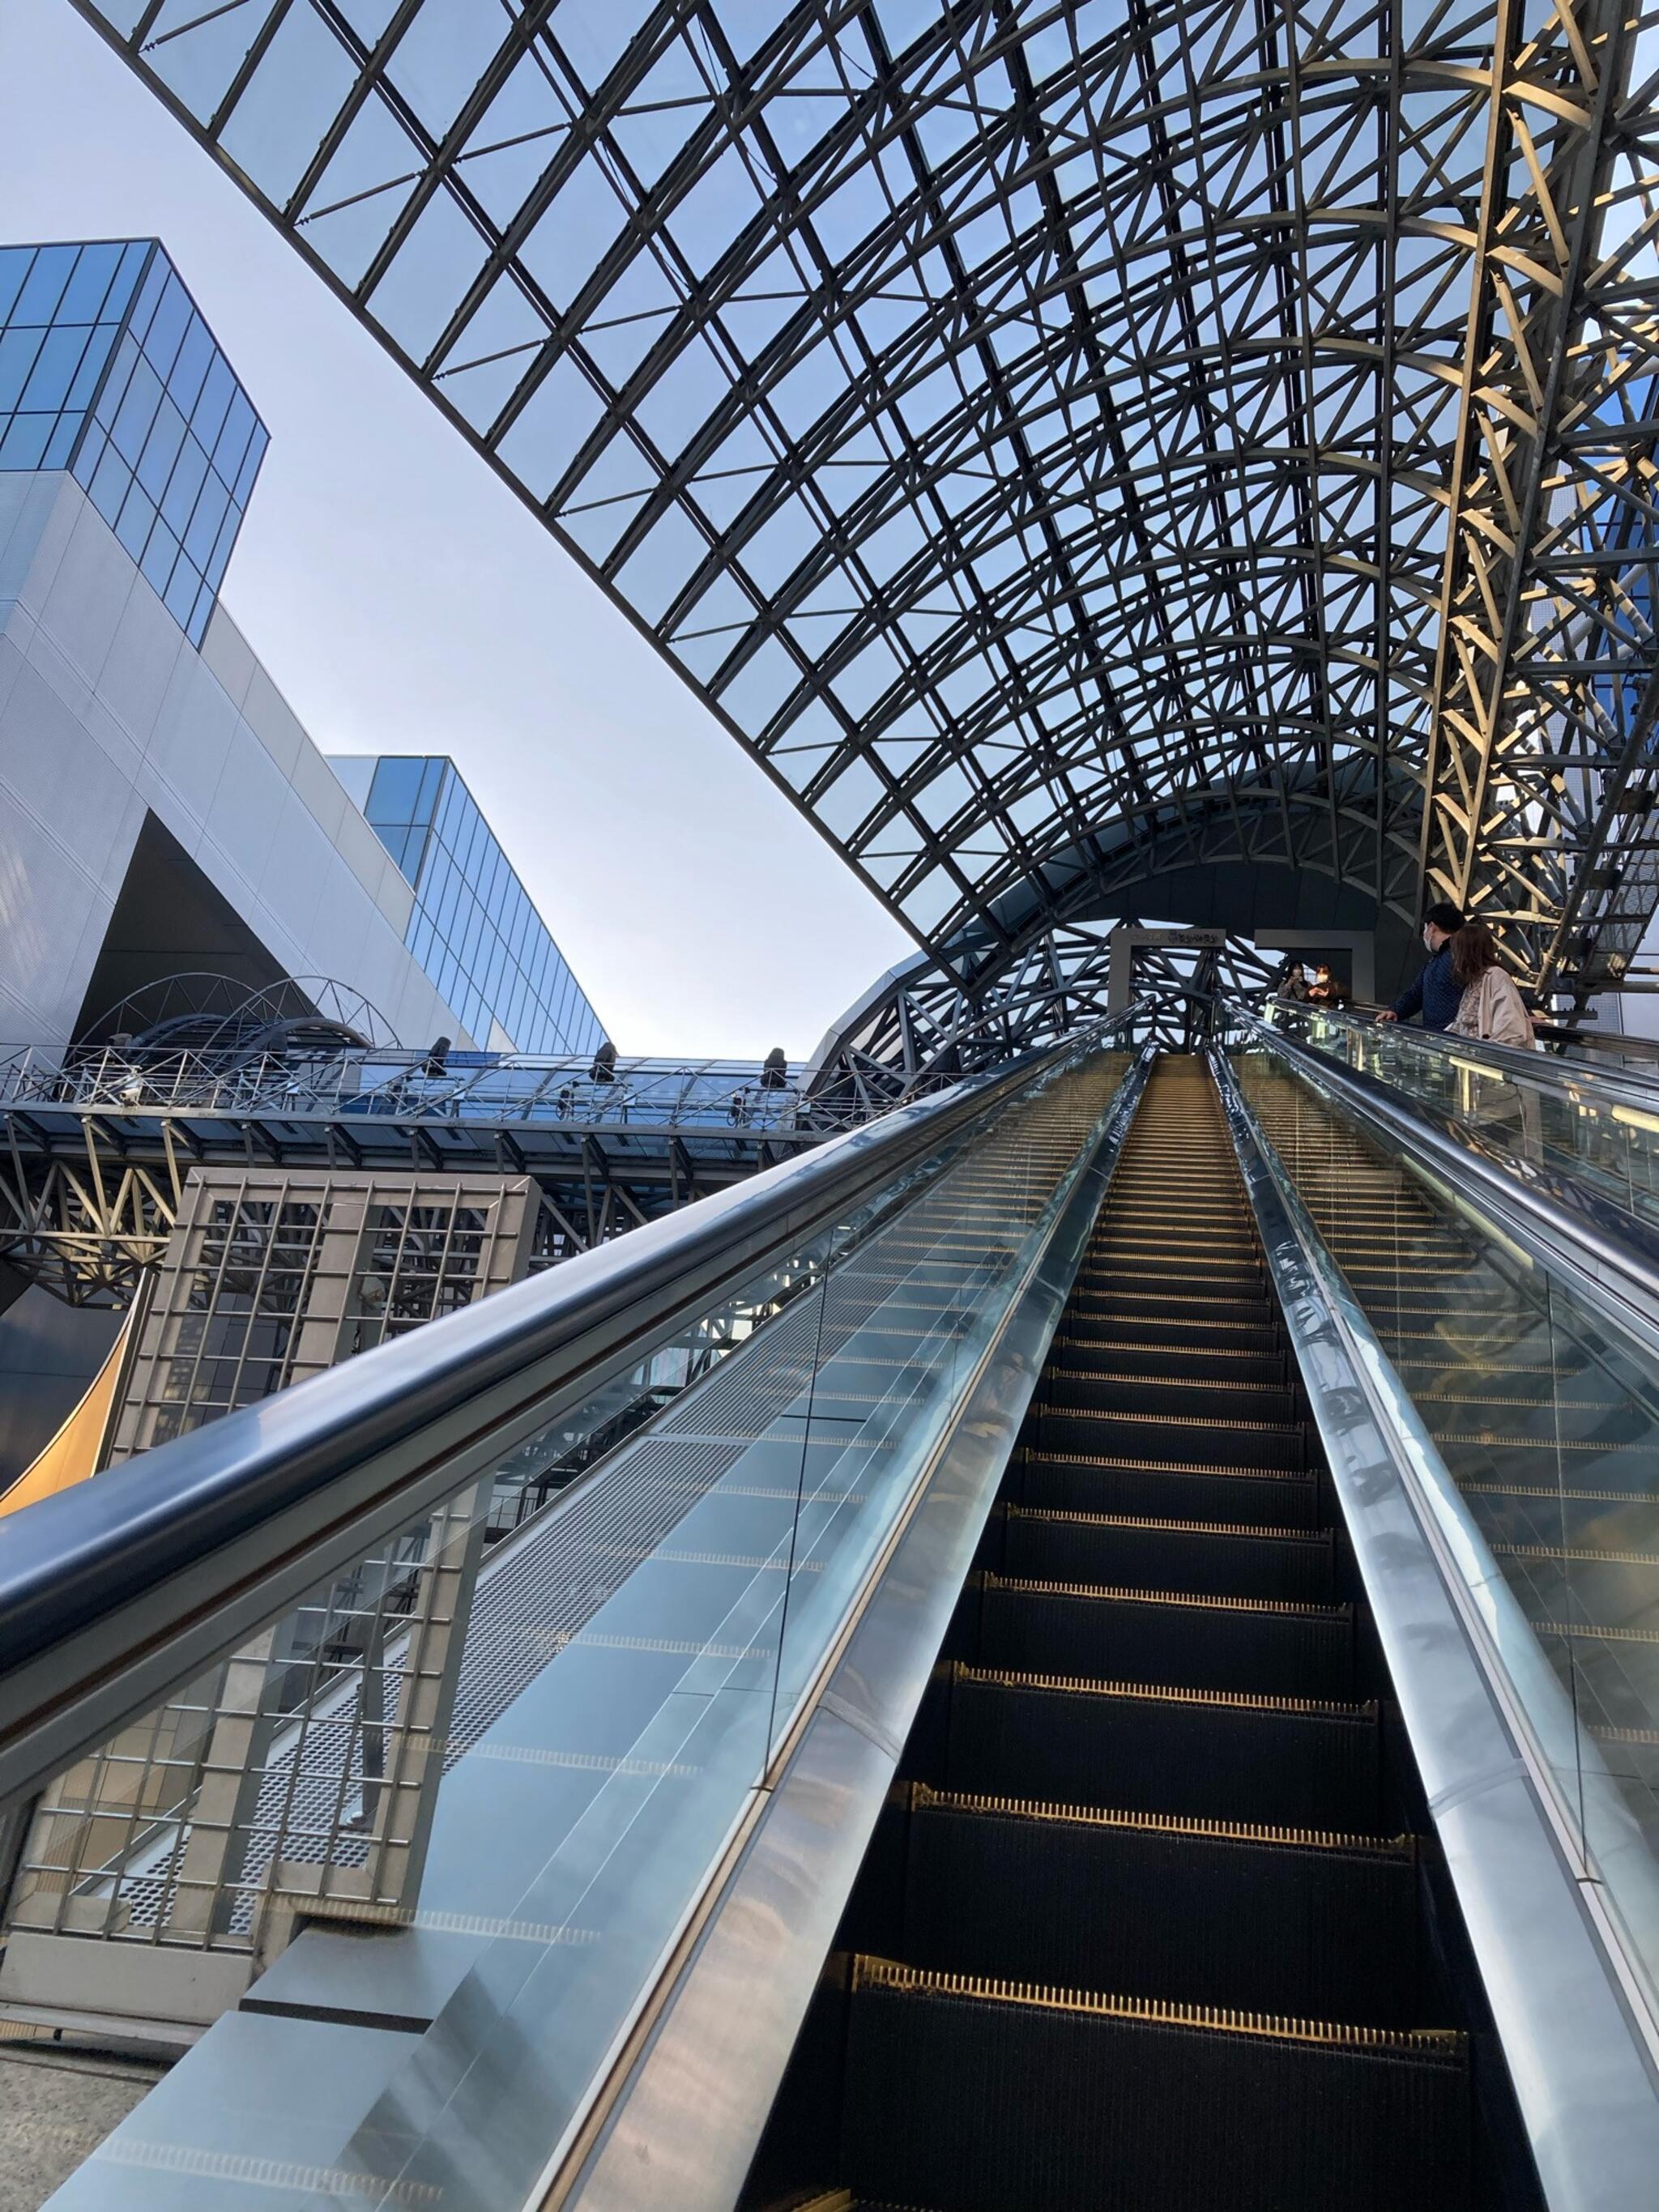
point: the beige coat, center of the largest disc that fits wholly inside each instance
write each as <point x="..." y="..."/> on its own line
<point x="1492" y="1010"/>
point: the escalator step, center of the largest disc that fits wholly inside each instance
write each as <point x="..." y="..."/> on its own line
<point x="1164" y="1637"/>
<point x="1144" y="1267"/>
<point x="1142" y="1199"/>
<point x="1100" y="1390"/>
<point x="979" y="2096"/>
<point x="1153" y="1553"/>
<point x="842" y="2200"/>
<point x="1143" y="1216"/>
<point x="1173" y="1241"/>
<point x="1079" y="1344"/>
<point x="839" y="2200"/>
<point x="1285" y="1920"/>
<point x="1193" y="1438"/>
<point x="1285" y="1762"/>
<point x="1166" y="1305"/>
<point x="1080" y="1482"/>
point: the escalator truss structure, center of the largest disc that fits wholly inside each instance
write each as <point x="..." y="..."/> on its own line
<point x="1073" y="449"/>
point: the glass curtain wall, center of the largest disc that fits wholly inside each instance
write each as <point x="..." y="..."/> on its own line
<point x="107" y="369"/>
<point x="474" y="928"/>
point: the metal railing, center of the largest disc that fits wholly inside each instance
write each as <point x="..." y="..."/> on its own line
<point x="1639" y="1055"/>
<point x="492" y="1088"/>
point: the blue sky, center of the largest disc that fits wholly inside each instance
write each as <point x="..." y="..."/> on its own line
<point x="405" y="602"/>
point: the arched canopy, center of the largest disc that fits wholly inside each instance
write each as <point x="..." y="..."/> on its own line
<point x="923" y="1023"/>
<point x="1043" y="430"/>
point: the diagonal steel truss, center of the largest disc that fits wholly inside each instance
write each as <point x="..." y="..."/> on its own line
<point x="88" y="1212"/>
<point x="925" y="1022"/>
<point x="1060" y="442"/>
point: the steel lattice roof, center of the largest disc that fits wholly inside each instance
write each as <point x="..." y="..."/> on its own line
<point x="1069" y="446"/>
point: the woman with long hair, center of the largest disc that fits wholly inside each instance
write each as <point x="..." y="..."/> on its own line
<point x="1490" y="1007"/>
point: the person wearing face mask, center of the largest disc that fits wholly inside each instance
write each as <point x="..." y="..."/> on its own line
<point x="1436" y="993"/>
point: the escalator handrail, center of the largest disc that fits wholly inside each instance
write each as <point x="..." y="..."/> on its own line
<point x="1595" y="1040"/>
<point x="1547" y="1070"/>
<point x="113" y="1591"/>
<point x="1572" y="1223"/>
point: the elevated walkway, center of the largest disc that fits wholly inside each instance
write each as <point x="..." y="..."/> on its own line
<point x="96" y="1154"/>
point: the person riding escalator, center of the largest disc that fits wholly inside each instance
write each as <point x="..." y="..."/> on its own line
<point x="1491" y="1008"/>
<point x="1436" y="994"/>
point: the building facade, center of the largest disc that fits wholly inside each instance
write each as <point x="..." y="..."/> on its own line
<point x="108" y="370"/>
<point x="473" y="927"/>
<point x="162" y="810"/>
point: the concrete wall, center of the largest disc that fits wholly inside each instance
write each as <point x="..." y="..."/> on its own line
<point x="106" y="711"/>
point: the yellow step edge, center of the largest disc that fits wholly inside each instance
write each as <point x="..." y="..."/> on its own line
<point x="1171" y="1420"/>
<point x="1167" y="1466"/>
<point x="924" y="1798"/>
<point x="1074" y="1343"/>
<point x="1588" y="1631"/>
<point x="1112" y="1593"/>
<point x="1172" y="1527"/>
<point x="1178" y="1382"/>
<point x="1588" y="1552"/>
<point x="868" y="1973"/>
<point x="1554" y="1491"/>
<point x="1163" y="1693"/>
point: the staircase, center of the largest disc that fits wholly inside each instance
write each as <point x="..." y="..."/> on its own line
<point x="1143" y="1948"/>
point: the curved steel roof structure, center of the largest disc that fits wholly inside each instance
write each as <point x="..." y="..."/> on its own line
<point x="1183" y="456"/>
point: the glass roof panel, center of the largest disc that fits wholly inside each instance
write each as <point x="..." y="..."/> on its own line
<point x="1089" y="387"/>
<point x="442" y="55"/>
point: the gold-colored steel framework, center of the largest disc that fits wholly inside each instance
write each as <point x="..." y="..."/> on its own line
<point x="1075" y="449"/>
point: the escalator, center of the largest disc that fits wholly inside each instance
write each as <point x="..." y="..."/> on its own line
<point x="1542" y="1417"/>
<point x="1141" y="1925"/>
<point x="973" y="1749"/>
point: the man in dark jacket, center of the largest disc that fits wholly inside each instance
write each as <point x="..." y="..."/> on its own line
<point x="1436" y="993"/>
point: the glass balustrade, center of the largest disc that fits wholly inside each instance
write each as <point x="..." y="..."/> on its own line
<point x="1540" y="1431"/>
<point x="490" y="1772"/>
<point x="1599" y="1126"/>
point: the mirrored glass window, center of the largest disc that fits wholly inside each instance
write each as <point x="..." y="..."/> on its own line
<point x="107" y="369"/>
<point x="474" y="929"/>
